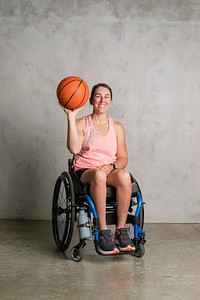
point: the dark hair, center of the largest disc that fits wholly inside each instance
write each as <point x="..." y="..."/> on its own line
<point x="98" y="85"/>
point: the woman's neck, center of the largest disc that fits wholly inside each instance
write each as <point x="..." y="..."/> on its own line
<point x="99" y="119"/>
<point x="100" y="123"/>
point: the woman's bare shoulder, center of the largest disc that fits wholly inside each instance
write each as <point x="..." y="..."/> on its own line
<point x="118" y="125"/>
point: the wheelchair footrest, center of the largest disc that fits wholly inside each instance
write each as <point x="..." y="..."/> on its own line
<point x="133" y="253"/>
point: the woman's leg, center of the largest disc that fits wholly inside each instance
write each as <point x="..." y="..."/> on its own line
<point x="120" y="179"/>
<point x="97" y="181"/>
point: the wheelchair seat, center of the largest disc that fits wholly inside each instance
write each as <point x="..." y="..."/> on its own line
<point x="80" y="188"/>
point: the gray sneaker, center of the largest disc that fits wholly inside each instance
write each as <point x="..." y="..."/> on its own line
<point x="125" y="242"/>
<point x="106" y="243"/>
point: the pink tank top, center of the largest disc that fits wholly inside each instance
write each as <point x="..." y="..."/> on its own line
<point x="97" y="149"/>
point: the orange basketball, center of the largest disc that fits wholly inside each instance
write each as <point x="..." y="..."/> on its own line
<point x="72" y="92"/>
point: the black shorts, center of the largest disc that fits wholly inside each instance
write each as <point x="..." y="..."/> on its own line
<point x="80" y="172"/>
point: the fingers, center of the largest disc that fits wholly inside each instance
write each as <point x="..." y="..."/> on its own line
<point x="71" y="111"/>
<point x="106" y="168"/>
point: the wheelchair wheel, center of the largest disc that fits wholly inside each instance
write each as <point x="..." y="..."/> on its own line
<point x="141" y="214"/>
<point x="139" y="251"/>
<point x="76" y="254"/>
<point x="141" y="217"/>
<point x="63" y="211"/>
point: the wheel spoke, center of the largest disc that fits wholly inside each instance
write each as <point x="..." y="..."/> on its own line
<point x="63" y="211"/>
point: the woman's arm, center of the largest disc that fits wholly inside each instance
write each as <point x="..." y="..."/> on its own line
<point x="75" y="130"/>
<point x="122" y="154"/>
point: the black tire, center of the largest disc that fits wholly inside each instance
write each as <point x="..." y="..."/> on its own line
<point x="139" y="251"/>
<point x="141" y="215"/>
<point x="76" y="254"/>
<point x="63" y="211"/>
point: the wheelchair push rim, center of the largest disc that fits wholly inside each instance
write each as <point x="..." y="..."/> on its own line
<point x="63" y="211"/>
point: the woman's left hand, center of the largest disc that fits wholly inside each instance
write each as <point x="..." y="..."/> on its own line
<point x="107" y="169"/>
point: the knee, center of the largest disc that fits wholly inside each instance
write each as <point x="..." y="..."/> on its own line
<point x="99" y="177"/>
<point x="124" y="177"/>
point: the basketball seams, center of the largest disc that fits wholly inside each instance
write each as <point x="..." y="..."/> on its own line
<point x="73" y="93"/>
<point x="79" y="89"/>
<point x="75" y="79"/>
<point x="83" y="95"/>
<point x="58" y="94"/>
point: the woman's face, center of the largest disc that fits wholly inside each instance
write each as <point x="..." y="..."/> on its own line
<point x="101" y="100"/>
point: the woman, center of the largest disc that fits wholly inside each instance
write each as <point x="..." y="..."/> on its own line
<point x="100" y="156"/>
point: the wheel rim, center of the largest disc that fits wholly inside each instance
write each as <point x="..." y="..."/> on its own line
<point x="76" y="254"/>
<point x="63" y="212"/>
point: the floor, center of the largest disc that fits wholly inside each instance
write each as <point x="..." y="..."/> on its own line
<point x="32" y="268"/>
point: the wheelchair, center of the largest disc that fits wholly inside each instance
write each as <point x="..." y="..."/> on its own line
<point x="71" y="199"/>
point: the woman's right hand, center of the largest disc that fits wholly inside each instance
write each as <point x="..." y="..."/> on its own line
<point x="70" y="112"/>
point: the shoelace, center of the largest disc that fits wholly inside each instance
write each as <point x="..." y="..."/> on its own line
<point x="123" y="234"/>
<point x="108" y="237"/>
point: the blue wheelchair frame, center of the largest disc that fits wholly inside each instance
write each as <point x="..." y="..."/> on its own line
<point x="138" y="232"/>
<point x="79" y="198"/>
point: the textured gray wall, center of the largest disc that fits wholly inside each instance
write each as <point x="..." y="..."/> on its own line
<point x="148" y="51"/>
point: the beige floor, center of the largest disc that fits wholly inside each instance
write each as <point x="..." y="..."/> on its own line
<point x="32" y="268"/>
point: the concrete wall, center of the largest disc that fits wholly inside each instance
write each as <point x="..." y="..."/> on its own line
<point x="148" y="51"/>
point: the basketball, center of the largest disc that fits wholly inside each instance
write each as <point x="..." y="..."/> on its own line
<point x="72" y="92"/>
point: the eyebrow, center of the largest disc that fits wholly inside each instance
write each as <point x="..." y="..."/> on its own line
<point x="105" y="94"/>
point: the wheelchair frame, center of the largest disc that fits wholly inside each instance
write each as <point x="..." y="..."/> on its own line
<point x="70" y="196"/>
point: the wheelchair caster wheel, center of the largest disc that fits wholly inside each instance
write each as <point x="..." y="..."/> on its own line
<point x="76" y="254"/>
<point x="139" y="251"/>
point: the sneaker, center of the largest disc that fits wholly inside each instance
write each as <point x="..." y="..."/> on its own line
<point x="106" y="243"/>
<point x="125" y="242"/>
